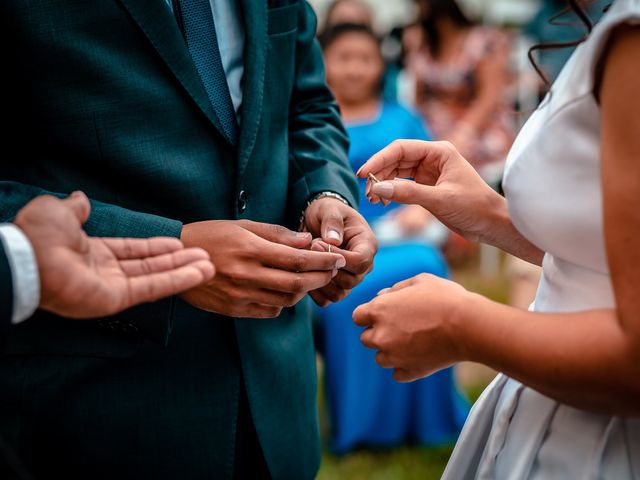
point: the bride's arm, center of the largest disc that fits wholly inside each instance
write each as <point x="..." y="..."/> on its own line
<point x="590" y="360"/>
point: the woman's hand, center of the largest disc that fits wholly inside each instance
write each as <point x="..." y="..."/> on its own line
<point x="445" y="184"/>
<point x="413" y="325"/>
<point x="450" y="188"/>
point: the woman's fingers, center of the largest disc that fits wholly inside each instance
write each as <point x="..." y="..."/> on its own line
<point x="401" y="155"/>
<point x="405" y="191"/>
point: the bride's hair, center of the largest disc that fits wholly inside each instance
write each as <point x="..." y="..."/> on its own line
<point x="572" y="6"/>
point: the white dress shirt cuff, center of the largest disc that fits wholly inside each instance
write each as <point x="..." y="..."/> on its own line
<point x="24" y="272"/>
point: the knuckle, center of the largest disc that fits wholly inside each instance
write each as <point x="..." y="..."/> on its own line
<point x="289" y="300"/>
<point x="300" y="262"/>
<point x="448" y="146"/>
<point x="272" y="312"/>
<point x="297" y="284"/>
<point x="424" y="277"/>
<point x="278" y="230"/>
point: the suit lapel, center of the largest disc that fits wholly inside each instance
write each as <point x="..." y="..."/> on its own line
<point x="255" y="57"/>
<point x="160" y="26"/>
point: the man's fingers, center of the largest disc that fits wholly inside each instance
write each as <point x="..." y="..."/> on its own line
<point x="286" y="282"/>
<point x="130" y="248"/>
<point x="334" y="293"/>
<point x="347" y="280"/>
<point x="254" y="310"/>
<point x="148" y="288"/>
<point x="79" y="204"/>
<point x="358" y="261"/>
<point x="318" y="297"/>
<point x="162" y="263"/>
<point x="402" y="375"/>
<point x="295" y="260"/>
<point x="278" y="234"/>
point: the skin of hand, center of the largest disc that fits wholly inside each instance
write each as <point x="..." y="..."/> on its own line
<point x="449" y="187"/>
<point x="586" y="359"/>
<point x="349" y="234"/>
<point x="260" y="268"/>
<point x="88" y="277"/>
<point x="413" y="326"/>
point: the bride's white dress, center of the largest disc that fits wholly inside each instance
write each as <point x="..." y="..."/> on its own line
<point x="553" y="186"/>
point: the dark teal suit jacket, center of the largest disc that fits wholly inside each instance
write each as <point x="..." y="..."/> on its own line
<point x="102" y="96"/>
<point x="6" y="292"/>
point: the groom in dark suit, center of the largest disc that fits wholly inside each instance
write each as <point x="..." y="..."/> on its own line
<point x="207" y="120"/>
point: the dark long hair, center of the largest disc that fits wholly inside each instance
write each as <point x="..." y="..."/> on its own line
<point x="437" y="10"/>
<point x="572" y="6"/>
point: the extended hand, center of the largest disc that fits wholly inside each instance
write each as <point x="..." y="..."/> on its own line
<point x="413" y="325"/>
<point x="85" y="277"/>
<point x="348" y="233"/>
<point x="260" y="268"/>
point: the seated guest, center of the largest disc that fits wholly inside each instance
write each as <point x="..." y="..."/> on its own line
<point x="367" y="407"/>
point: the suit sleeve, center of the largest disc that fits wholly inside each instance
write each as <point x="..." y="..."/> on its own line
<point x="6" y="292"/>
<point x="153" y="320"/>
<point x="318" y="143"/>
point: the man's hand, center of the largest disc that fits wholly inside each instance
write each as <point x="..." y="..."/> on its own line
<point x="85" y="277"/>
<point x="260" y="268"/>
<point x="348" y="233"/>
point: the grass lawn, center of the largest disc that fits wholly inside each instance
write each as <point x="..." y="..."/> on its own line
<point x="413" y="462"/>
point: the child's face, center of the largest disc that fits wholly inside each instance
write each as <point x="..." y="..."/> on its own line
<point x="354" y="67"/>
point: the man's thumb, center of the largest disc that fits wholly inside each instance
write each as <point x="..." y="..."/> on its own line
<point x="79" y="204"/>
<point x="403" y="191"/>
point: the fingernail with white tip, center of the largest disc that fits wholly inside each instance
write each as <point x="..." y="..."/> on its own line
<point x="334" y="235"/>
<point x="383" y="189"/>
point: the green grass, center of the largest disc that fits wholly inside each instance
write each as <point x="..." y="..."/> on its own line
<point x="408" y="462"/>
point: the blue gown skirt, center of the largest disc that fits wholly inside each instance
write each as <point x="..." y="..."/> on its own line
<point x="367" y="407"/>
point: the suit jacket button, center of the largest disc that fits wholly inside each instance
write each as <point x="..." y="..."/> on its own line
<point x="242" y="201"/>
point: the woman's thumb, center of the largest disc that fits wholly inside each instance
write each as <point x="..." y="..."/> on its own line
<point x="403" y="191"/>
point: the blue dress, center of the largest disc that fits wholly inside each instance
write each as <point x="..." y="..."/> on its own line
<point x="367" y="406"/>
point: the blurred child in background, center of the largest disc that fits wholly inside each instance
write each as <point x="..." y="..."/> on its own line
<point x="367" y="406"/>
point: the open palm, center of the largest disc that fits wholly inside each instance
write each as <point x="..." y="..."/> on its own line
<point x="85" y="277"/>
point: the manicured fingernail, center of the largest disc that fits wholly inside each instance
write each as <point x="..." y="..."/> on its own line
<point x="333" y="235"/>
<point x="341" y="263"/>
<point x="334" y="273"/>
<point x="359" y="170"/>
<point x="383" y="189"/>
<point x="303" y="234"/>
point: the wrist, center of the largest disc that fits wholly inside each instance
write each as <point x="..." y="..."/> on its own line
<point x="463" y="321"/>
<point x="498" y="220"/>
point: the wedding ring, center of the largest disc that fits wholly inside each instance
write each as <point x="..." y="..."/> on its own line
<point x="329" y="249"/>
